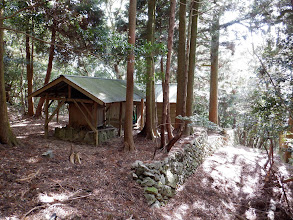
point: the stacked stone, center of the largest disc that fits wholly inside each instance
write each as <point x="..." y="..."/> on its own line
<point x="161" y="178"/>
<point x="73" y="134"/>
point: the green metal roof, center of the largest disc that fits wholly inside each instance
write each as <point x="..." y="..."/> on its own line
<point x="105" y="90"/>
<point x="172" y="93"/>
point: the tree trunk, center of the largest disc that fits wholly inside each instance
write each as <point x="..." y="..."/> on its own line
<point x="181" y="71"/>
<point x="165" y="84"/>
<point x="117" y="71"/>
<point x="150" y="108"/>
<point x="29" y="75"/>
<point x="190" y="84"/>
<point x="213" y="108"/>
<point x="49" y="70"/>
<point x="128" y="136"/>
<point x="6" y="134"/>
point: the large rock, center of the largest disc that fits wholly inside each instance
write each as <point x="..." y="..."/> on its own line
<point x="151" y="199"/>
<point x="171" y="179"/>
<point x="151" y="190"/>
<point x="149" y="182"/>
<point x="167" y="191"/>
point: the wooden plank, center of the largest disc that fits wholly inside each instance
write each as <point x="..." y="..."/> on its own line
<point x="69" y="91"/>
<point x="95" y="114"/>
<point x="84" y="92"/>
<point x="120" y="119"/>
<point x="105" y="116"/>
<point x="71" y="100"/>
<point x="88" y="111"/>
<point x="141" y="114"/>
<point x="57" y="114"/>
<point x="56" y="110"/>
<point x="46" y="116"/>
<point x="84" y="115"/>
<point x="49" y="85"/>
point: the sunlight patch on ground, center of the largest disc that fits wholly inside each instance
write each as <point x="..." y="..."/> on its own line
<point x="180" y="188"/>
<point x="61" y="197"/>
<point x="250" y="214"/>
<point x="181" y="211"/>
<point x="33" y="159"/>
<point x="62" y="211"/>
<point x="23" y="125"/>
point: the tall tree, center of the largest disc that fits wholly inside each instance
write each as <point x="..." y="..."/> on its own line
<point x="181" y="67"/>
<point x="192" y="52"/>
<point x="215" y="35"/>
<point x="29" y="73"/>
<point x="166" y="81"/>
<point x="6" y="134"/>
<point x="49" y="68"/>
<point x="128" y="136"/>
<point x="150" y="102"/>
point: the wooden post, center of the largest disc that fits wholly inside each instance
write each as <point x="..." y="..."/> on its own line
<point x="93" y="127"/>
<point x="46" y="116"/>
<point x="95" y="114"/>
<point x="95" y="120"/>
<point x="141" y="114"/>
<point x="57" y="114"/>
<point x="69" y="91"/>
<point x="97" y="137"/>
<point x="105" y="116"/>
<point x="120" y="119"/>
<point x="56" y="110"/>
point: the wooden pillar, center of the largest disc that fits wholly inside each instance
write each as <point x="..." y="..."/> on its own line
<point x="97" y="122"/>
<point x="105" y="116"/>
<point x="95" y="114"/>
<point x="46" y="116"/>
<point x="120" y="119"/>
<point x="57" y="114"/>
<point x="141" y="114"/>
<point x="93" y="127"/>
<point x="69" y="91"/>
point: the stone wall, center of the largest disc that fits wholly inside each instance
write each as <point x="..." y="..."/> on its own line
<point x="81" y="135"/>
<point x="161" y="178"/>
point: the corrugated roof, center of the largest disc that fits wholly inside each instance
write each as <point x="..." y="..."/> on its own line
<point x="105" y="90"/>
<point x="172" y="93"/>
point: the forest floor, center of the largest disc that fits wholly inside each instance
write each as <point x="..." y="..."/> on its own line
<point x="228" y="185"/>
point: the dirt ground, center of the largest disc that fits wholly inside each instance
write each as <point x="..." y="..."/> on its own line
<point x="228" y="185"/>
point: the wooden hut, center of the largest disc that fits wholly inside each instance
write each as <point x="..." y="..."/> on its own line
<point x="93" y="102"/>
<point x="172" y="100"/>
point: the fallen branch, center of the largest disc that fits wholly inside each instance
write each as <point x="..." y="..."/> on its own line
<point x="173" y="141"/>
<point x="29" y="177"/>
<point x="287" y="180"/>
<point x="37" y="207"/>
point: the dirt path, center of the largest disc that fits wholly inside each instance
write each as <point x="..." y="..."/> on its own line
<point x="230" y="185"/>
<point x="227" y="185"/>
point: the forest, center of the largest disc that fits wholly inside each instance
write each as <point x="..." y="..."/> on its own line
<point x="92" y="72"/>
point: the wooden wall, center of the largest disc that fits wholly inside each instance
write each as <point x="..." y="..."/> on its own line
<point x="77" y="120"/>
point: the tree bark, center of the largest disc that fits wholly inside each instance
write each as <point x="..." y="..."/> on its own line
<point x="49" y="69"/>
<point x="191" y="68"/>
<point x="166" y="104"/>
<point x="6" y="134"/>
<point x="29" y="75"/>
<point x="150" y="110"/>
<point x="213" y="107"/>
<point x="117" y="71"/>
<point x="181" y="71"/>
<point x="128" y="136"/>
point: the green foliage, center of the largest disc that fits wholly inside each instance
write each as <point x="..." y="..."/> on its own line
<point x="197" y="120"/>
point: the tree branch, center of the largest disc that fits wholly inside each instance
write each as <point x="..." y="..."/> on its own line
<point x="47" y="42"/>
<point x="20" y="10"/>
